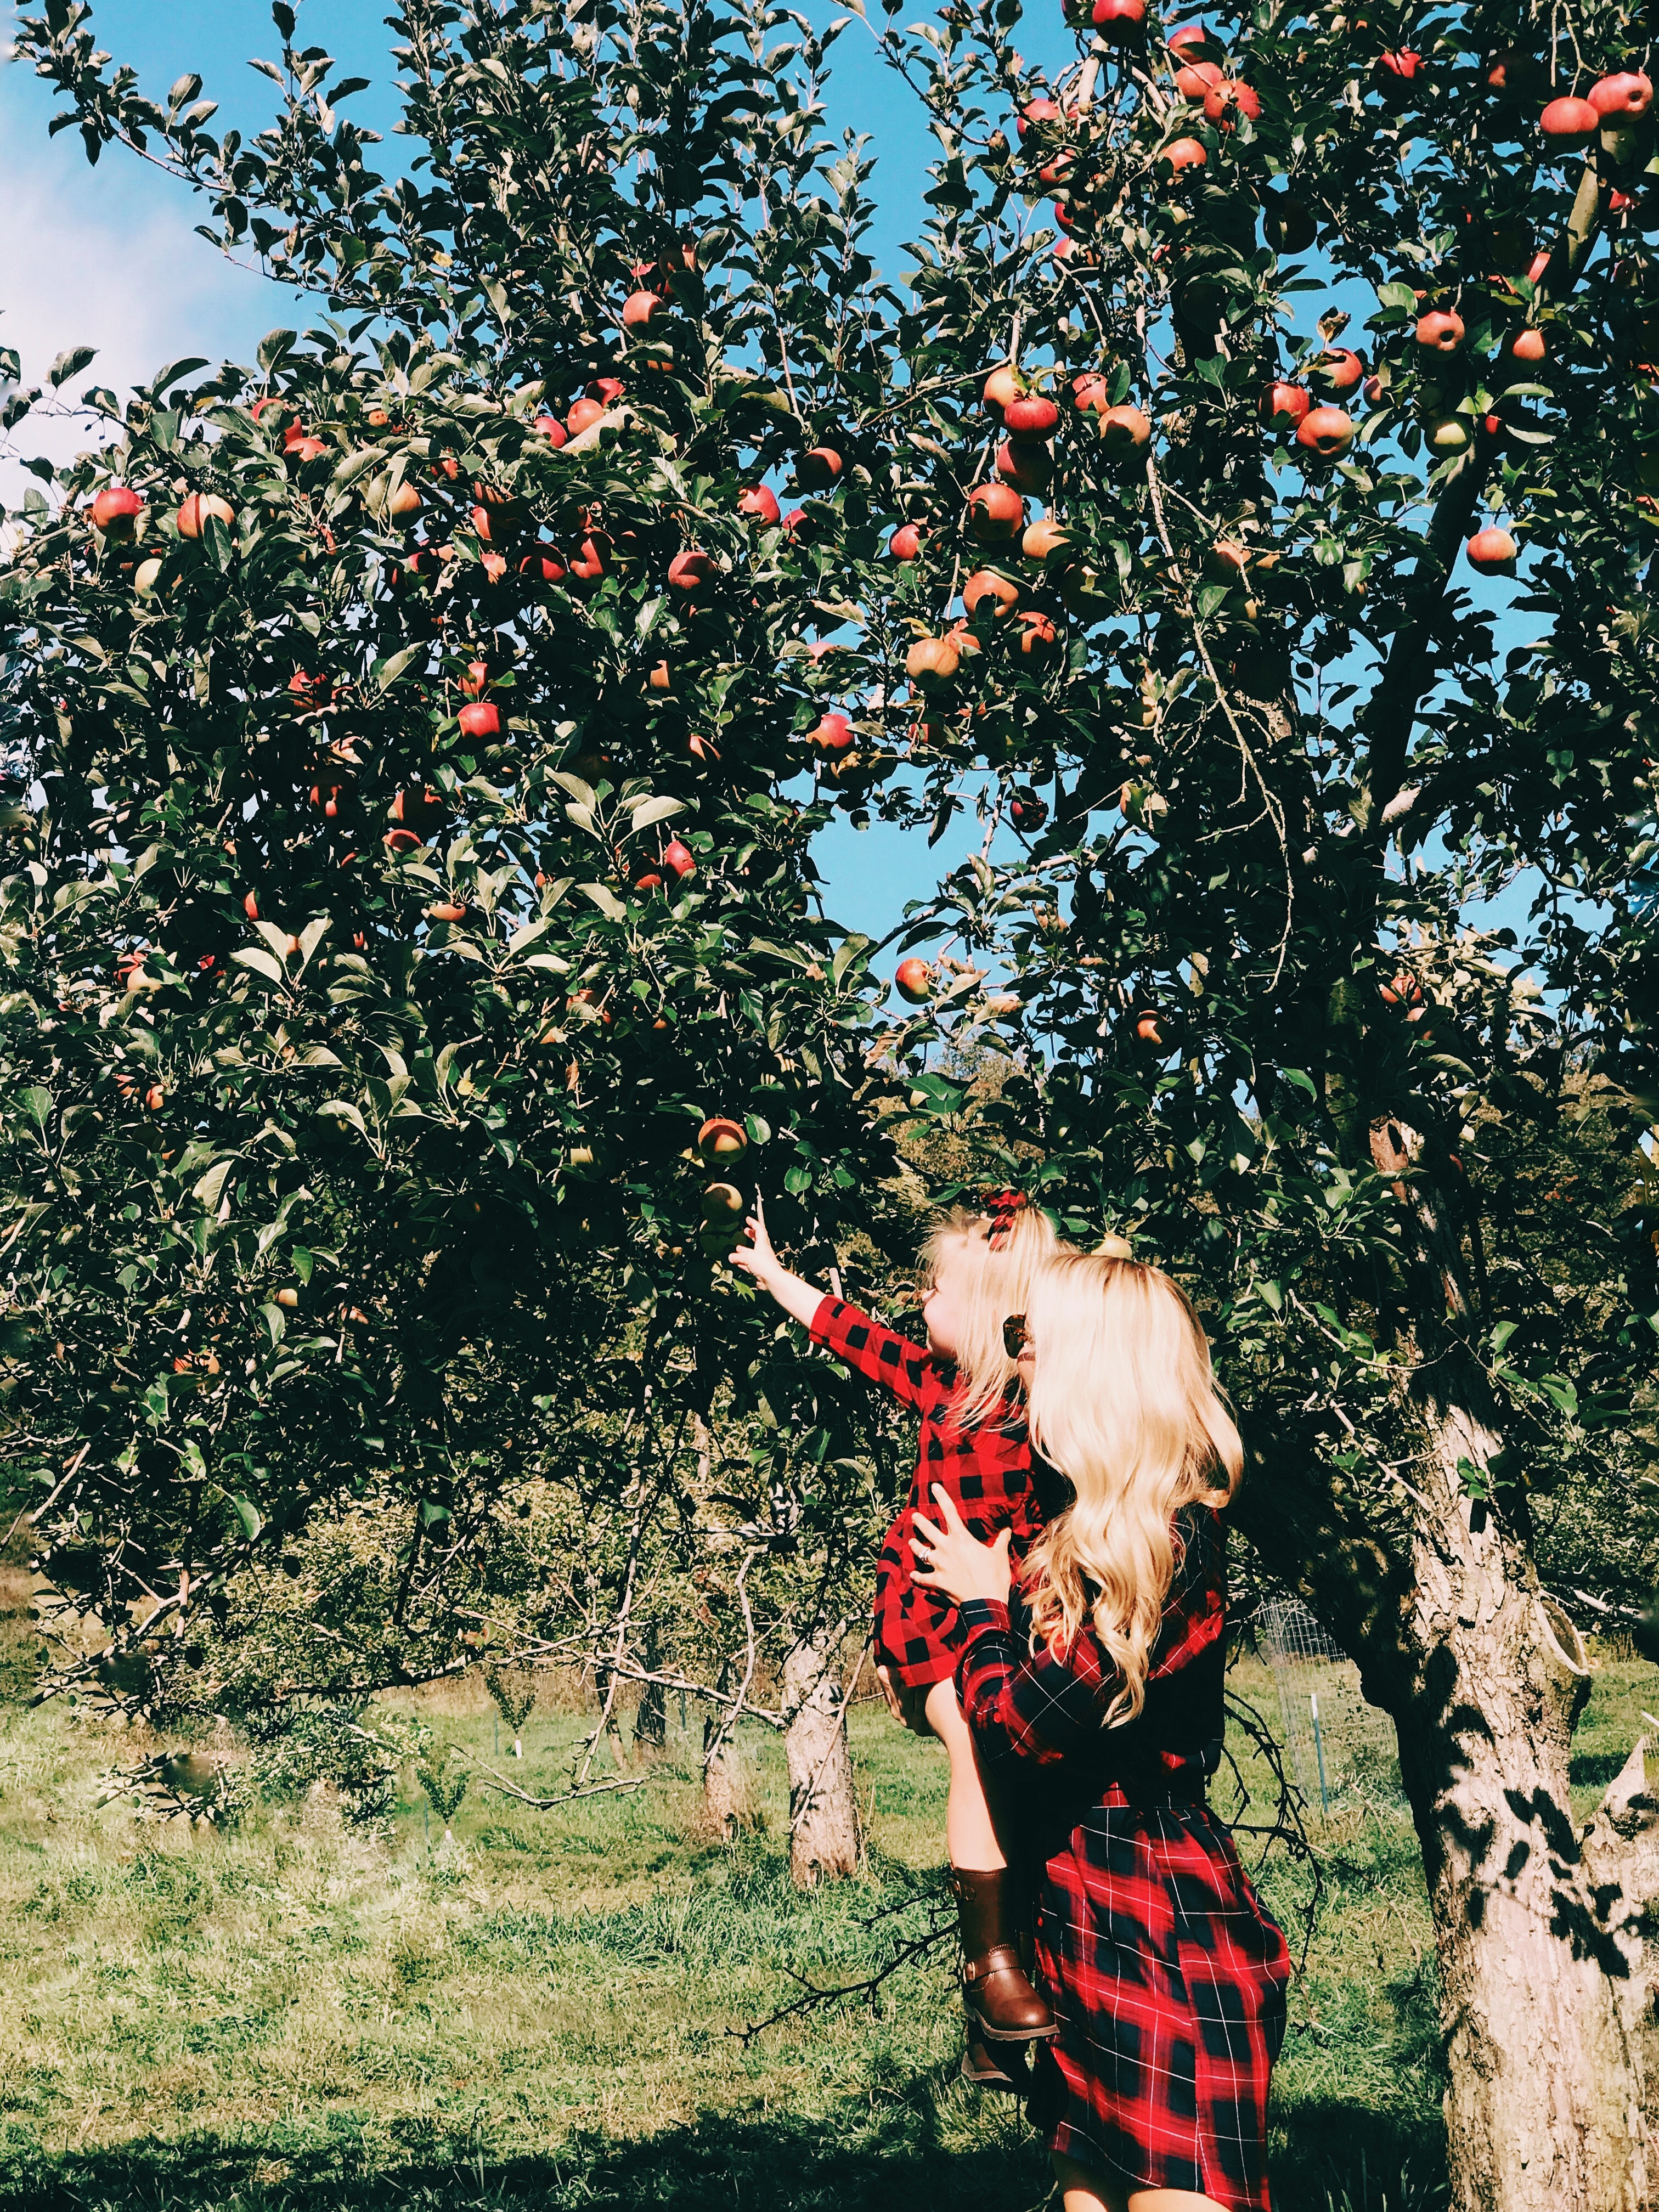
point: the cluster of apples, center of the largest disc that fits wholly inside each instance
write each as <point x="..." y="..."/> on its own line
<point x="721" y="1144"/>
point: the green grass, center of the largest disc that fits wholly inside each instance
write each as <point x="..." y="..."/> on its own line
<point x="294" y="2015"/>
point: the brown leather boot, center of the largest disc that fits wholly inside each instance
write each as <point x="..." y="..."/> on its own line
<point x="999" y="2066"/>
<point x="1002" y="2004"/>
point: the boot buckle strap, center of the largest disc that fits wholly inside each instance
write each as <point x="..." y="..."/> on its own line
<point x="1001" y="1959"/>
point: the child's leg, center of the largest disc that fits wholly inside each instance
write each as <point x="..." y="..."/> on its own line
<point x="1083" y="2190"/>
<point x="971" y="1839"/>
<point x="1002" y="2005"/>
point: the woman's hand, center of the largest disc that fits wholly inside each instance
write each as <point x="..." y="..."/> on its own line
<point x="905" y="1704"/>
<point x="951" y="1561"/>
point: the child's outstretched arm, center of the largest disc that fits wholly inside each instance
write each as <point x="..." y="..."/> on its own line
<point x="799" y="1299"/>
<point x="879" y="1354"/>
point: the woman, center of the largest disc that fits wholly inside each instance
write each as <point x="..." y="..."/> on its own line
<point x="1166" y="1973"/>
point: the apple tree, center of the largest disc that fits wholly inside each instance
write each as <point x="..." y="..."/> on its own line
<point x="1254" y="740"/>
<point x="412" y="962"/>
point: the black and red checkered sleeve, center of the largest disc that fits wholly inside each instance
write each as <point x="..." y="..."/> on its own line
<point x="879" y="1354"/>
<point x="1035" y="1704"/>
<point x="1024" y="1704"/>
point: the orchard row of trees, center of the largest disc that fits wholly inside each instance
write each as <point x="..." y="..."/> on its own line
<point x="427" y="730"/>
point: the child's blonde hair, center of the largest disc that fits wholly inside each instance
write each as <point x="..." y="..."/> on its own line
<point x="1124" y="1403"/>
<point x="997" y="1250"/>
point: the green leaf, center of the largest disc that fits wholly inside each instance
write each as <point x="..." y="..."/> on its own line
<point x="342" y="1110"/>
<point x="71" y="363"/>
<point x="650" y="811"/>
<point x="248" y="1514"/>
<point x="249" y="955"/>
<point x="606" y="901"/>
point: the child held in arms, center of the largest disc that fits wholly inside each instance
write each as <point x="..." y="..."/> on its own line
<point x="974" y="1270"/>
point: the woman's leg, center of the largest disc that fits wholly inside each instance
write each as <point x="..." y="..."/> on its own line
<point x="1084" y="2190"/>
<point x="970" y="1837"/>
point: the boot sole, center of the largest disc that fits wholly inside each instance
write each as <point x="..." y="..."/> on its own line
<point x="989" y="2034"/>
<point x="1002" y="2083"/>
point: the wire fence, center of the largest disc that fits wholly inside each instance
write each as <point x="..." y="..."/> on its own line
<point x="1340" y="1750"/>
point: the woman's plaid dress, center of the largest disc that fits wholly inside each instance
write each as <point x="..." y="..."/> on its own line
<point x="986" y="1468"/>
<point x="1165" y="1972"/>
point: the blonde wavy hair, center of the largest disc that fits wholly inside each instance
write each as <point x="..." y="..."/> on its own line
<point x="993" y="1257"/>
<point x="1123" y="1403"/>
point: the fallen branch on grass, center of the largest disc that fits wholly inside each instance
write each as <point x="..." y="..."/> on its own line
<point x="942" y="1929"/>
<point x="500" y="1783"/>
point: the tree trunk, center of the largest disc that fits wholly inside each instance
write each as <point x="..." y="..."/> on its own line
<point x="728" y="1794"/>
<point x="651" y="1719"/>
<point x="1544" y="2108"/>
<point x="823" y="1819"/>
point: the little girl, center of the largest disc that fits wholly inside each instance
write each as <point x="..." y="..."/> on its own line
<point x="1166" y="1972"/>
<point x="976" y="1268"/>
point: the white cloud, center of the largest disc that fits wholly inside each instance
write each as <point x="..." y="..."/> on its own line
<point x="106" y="258"/>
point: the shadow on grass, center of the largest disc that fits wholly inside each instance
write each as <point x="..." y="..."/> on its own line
<point x="1341" y="2159"/>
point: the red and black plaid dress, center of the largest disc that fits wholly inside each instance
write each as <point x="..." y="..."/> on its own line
<point x="1166" y="1973"/>
<point x="986" y="1468"/>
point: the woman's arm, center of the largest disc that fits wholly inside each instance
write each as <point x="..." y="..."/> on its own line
<point x="1026" y="1705"/>
<point x="1018" y="1705"/>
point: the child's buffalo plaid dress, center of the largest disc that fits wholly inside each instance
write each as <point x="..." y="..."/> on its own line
<point x="987" y="1469"/>
<point x="1165" y="1973"/>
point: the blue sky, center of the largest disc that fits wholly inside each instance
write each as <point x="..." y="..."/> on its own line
<point x="108" y="257"/>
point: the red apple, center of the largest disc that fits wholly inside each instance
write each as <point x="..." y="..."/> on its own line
<point x="1045" y="536"/>
<point x="638" y="309"/>
<point x="1629" y="93"/>
<point x="1183" y="154"/>
<point x="404" y="503"/>
<point x="834" y="734"/>
<point x="995" y="511"/>
<point x="480" y="718"/>
<point x="985" y="589"/>
<point x="1120" y="20"/>
<point x="1442" y="332"/>
<point x="1037" y="112"/>
<point x="446" y="910"/>
<point x="607" y="390"/>
<point x="202" y="507"/>
<point x="1149" y="1028"/>
<point x="1029" y="468"/>
<point x="1326" y="431"/>
<point x="550" y="428"/>
<point x="680" y="858"/>
<point x="1284" y="406"/>
<point x="1125" y="430"/>
<point x="1527" y="345"/>
<point x="1038" y="634"/>
<point x="722" y="1139"/>
<point x="932" y="661"/>
<point x="115" y="510"/>
<point x="547" y="563"/>
<point x="1337" y="369"/>
<point x="905" y="543"/>
<point x="1002" y="388"/>
<point x="582" y="416"/>
<point x="1226" y="101"/>
<point x="1569" y="123"/>
<point x="593" y="558"/>
<point x="1195" y="79"/>
<point x="1492" y="551"/>
<point x="1090" y="394"/>
<point x="760" y="504"/>
<point x="914" y="980"/>
<point x="1397" y="70"/>
<point x="1027" y="812"/>
<point x="817" y="468"/>
<point x="250" y="907"/>
<point x="1032" y="417"/>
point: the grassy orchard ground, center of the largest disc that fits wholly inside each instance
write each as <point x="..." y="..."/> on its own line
<point x="296" y="2015"/>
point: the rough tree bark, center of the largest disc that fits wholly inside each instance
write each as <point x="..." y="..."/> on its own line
<point x="1537" y="1921"/>
<point x="823" y="1820"/>
<point x="728" y="1795"/>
